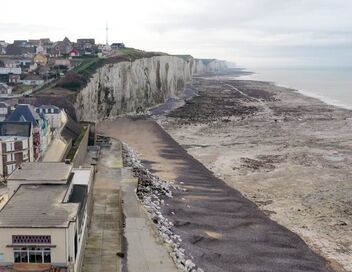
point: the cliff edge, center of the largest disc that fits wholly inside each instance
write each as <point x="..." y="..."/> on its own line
<point x="134" y="86"/>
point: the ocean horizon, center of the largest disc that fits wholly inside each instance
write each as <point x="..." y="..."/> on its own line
<point x="332" y="85"/>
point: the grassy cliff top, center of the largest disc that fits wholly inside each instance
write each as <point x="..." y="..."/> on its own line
<point x="78" y="78"/>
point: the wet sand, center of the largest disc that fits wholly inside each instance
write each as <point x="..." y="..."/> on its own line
<point x="290" y="154"/>
<point x="219" y="227"/>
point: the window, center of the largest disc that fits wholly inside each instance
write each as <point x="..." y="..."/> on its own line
<point x="10" y="168"/>
<point x="32" y="255"/>
<point x="25" y="144"/>
<point x="10" y="146"/>
<point x="8" y="158"/>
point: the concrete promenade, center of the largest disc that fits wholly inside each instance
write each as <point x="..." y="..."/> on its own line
<point x="144" y="252"/>
<point x="104" y="236"/>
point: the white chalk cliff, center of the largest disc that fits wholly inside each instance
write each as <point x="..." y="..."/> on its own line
<point x="133" y="86"/>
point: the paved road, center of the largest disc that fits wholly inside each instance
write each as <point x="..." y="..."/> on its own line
<point x="222" y="230"/>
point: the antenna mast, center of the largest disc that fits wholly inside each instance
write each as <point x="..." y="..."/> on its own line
<point x="107" y="34"/>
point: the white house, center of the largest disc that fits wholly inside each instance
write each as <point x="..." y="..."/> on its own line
<point x="7" y="70"/>
<point x="43" y="226"/>
<point x="10" y="63"/>
<point x="4" y="110"/>
<point x="62" y="62"/>
<point x="3" y="46"/>
<point x="53" y="115"/>
<point x="5" y="89"/>
<point x="32" y="80"/>
<point x="16" y="145"/>
<point x="33" y="67"/>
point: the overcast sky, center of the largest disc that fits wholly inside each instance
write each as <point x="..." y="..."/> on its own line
<point x="249" y="32"/>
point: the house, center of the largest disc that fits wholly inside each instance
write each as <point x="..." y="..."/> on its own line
<point x="33" y="67"/>
<point x="10" y="63"/>
<point x="40" y="58"/>
<point x="40" y="49"/>
<point x="32" y="80"/>
<point x="4" y="110"/>
<point x="46" y="134"/>
<point x="24" y="63"/>
<point x="42" y="133"/>
<point x="17" y="49"/>
<point x="85" y="43"/>
<point x="26" y="113"/>
<point x="3" y="46"/>
<point x="53" y="114"/>
<point x="14" y="79"/>
<point x="5" y="89"/>
<point x="21" y="43"/>
<point x="61" y="47"/>
<point x="33" y="43"/>
<point x="43" y="71"/>
<point x="62" y="62"/>
<point x="115" y="46"/>
<point x="45" y="41"/>
<point x="6" y="71"/>
<point x="16" y="146"/>
<point x="43" y="226"/>
<point x="74" y="53"/>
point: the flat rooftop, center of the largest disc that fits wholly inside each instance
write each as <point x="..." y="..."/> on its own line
<point x="38" y="206"/>
<point x="42" y="171"/>
<point x="82" y="175"/>
<point x="12" y="138"/>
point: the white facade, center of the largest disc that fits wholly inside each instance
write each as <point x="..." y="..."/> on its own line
<point x="32" y="82"/>
<point x="6" y="71"/>
<point x="59" y="246"/>
<point x="55" y="116"/>
<point x="5" y="89"/>
<point x="3" y="46"/>
<point x="33" y="67"/>
<point x="4" y="110"/>
<point x="14" y="150"/>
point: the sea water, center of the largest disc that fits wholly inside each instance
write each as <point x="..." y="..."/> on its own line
<point x="331" y="85"/>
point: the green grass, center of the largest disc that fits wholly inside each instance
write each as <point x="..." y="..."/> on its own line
<point x="86" y="65"/>
<point x="77" y="78"/>
<point x="184" y="57"/>
<point x="20" y="89"/>
<point x="71" y="154"/>
<point x="46" y="86"/>
<point x="129" y="51"/>
<point x="134" y="54"/>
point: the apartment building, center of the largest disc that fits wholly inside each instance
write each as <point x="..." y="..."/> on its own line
<point x="16" y="146"/>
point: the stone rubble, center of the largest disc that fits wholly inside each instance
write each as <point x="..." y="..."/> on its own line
<point x="152" y="191"/>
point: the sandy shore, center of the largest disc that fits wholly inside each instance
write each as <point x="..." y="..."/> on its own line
<point x="288" y="153"/>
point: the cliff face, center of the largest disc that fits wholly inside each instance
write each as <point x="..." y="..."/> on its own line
<point x="204" y="66"/>
<point x="134" y="86"/>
